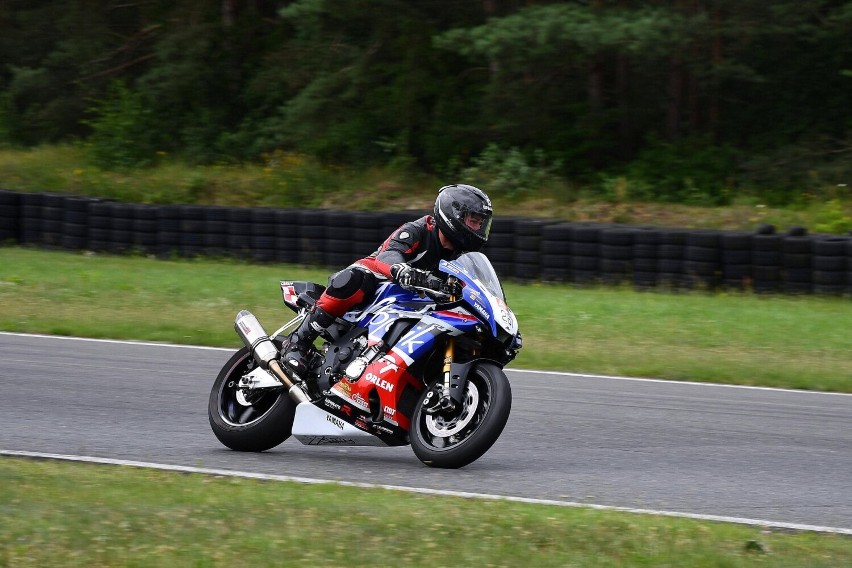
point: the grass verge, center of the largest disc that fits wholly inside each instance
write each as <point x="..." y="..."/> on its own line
<point x="287" y="180"/>
<point x="777" y="341"/>
<point x="59" y="514"/>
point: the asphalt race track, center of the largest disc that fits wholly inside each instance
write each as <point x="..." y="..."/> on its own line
<point x="762" y="454"/>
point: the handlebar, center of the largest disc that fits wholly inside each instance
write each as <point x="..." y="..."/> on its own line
<point x="437" y="289"/>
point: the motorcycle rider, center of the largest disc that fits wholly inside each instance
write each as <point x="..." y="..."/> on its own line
<point x="460" y="222"/>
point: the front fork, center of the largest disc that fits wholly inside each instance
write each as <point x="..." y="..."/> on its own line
<point x="450" y="393"/>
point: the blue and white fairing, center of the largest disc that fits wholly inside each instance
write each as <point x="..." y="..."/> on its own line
<point x="482" y="292"/>
<point x="482" y="302"/>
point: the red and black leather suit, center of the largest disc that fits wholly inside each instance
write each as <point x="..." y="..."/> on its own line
<point x="415" y="243"/>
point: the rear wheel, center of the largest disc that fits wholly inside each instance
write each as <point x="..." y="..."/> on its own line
<point x="456" y="439"/>
<point x="248" y="421"/>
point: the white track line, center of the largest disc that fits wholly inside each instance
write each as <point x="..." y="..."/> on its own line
<point x="424" y="491"/>
<point x="511" y="370"/>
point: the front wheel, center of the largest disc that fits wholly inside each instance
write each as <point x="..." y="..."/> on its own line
<point x="245" y="421"/>
<point x="463" y="436"/>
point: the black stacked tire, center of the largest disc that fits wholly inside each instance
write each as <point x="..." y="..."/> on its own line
<point x="168" y="231"/>
<point x="191" y="231"/>
<point x="393" y="220"/>
<point x="736" y="259"/>
<point x="796" y="262"/>
<point x="338" y="248"/>
<point x="121" y="227"/>
<point x="767" y="260"/>
<point x="264" y="235"/>
<point x="500" y="248"/>
<point x="10" y="215"/>
<point x="216" y="231"/>
<point x="32" y="219"/>
<point x="849" y="266"/>
<point x="830" y="264"/>
<point x="311" y="236"/>
<point x="586" y="253"/>
<point x="53" y="219"/>
<point x="616" y="255"/>
<point x="75" y="222"/>
<point x="703" y="259"/>
<point x="239" y="232"/>
<point x="368" y="233"/>
<point x="528" y="248"/>
<point x="646" y="244"/>
<point x="99" y="232"/>
<point x="287" y="236"/>
<point x="144" y="226"/>
<point x="671" y="263"/>
<point x="556" y="252"/>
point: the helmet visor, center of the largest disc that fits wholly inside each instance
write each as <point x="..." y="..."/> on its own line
<point x="476" y="222"/>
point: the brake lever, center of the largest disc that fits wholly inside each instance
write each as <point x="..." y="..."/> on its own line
<point x="436" y="295"/>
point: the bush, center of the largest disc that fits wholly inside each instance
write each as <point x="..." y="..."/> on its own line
<point x="692" y="172"/>
<point x="508" y="173"/>
<point x="122" y="130"/>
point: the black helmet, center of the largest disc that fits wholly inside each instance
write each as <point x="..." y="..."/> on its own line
<point x="463" y="214"/>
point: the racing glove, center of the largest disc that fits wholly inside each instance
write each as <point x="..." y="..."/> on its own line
<point x="407" y="276"/>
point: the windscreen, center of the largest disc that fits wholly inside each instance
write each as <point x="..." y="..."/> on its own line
<point x="478" y="265"/>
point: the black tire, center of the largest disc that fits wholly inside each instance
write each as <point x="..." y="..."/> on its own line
<point x="488" y="401"/>
<point x="255" y="427"/>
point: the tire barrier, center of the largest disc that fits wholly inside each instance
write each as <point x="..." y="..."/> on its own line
<point x="580" y="253"/>
<point x="10" y="216"/>
<point x="500" y="247"/>
<point x="735" y="254"/>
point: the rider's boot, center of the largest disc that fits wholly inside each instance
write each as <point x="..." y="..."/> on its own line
<point x="296" y="352"/>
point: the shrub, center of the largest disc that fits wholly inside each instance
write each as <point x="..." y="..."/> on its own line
<point x="693" y="172"/>
<point x="122" y="130"/>
<point x="508" y="173"/>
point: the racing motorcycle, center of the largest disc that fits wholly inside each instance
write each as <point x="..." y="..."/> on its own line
<point x="419" y="365"/>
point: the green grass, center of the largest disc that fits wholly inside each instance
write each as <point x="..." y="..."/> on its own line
<point x="778" y="341"/>
<point x="61" y="514"/>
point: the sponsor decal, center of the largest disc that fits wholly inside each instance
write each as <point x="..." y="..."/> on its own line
<point x="361" y="424"/>
<point x="327" y="441"/>
<point x="417" y="337"/>
<point x="336" y="421"/>
<point x="384" y="430"/>
<point x="359" y="401"/>
<point x="344" y="390"/>
<point x="346" y="409"/>
<point x="289" y="292"/>
<point x="481" y="309"/>
<point x="331" y="404"/>
<point x="343" y="387"/>
<point x="390" y="415"/>
<point x="381" y="383"/>
<point x="390" y="364"/>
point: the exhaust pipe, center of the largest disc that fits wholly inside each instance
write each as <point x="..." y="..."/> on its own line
<point x="266" y="354"/>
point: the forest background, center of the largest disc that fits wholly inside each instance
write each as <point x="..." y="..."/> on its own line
<point x="706" y="103"/>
